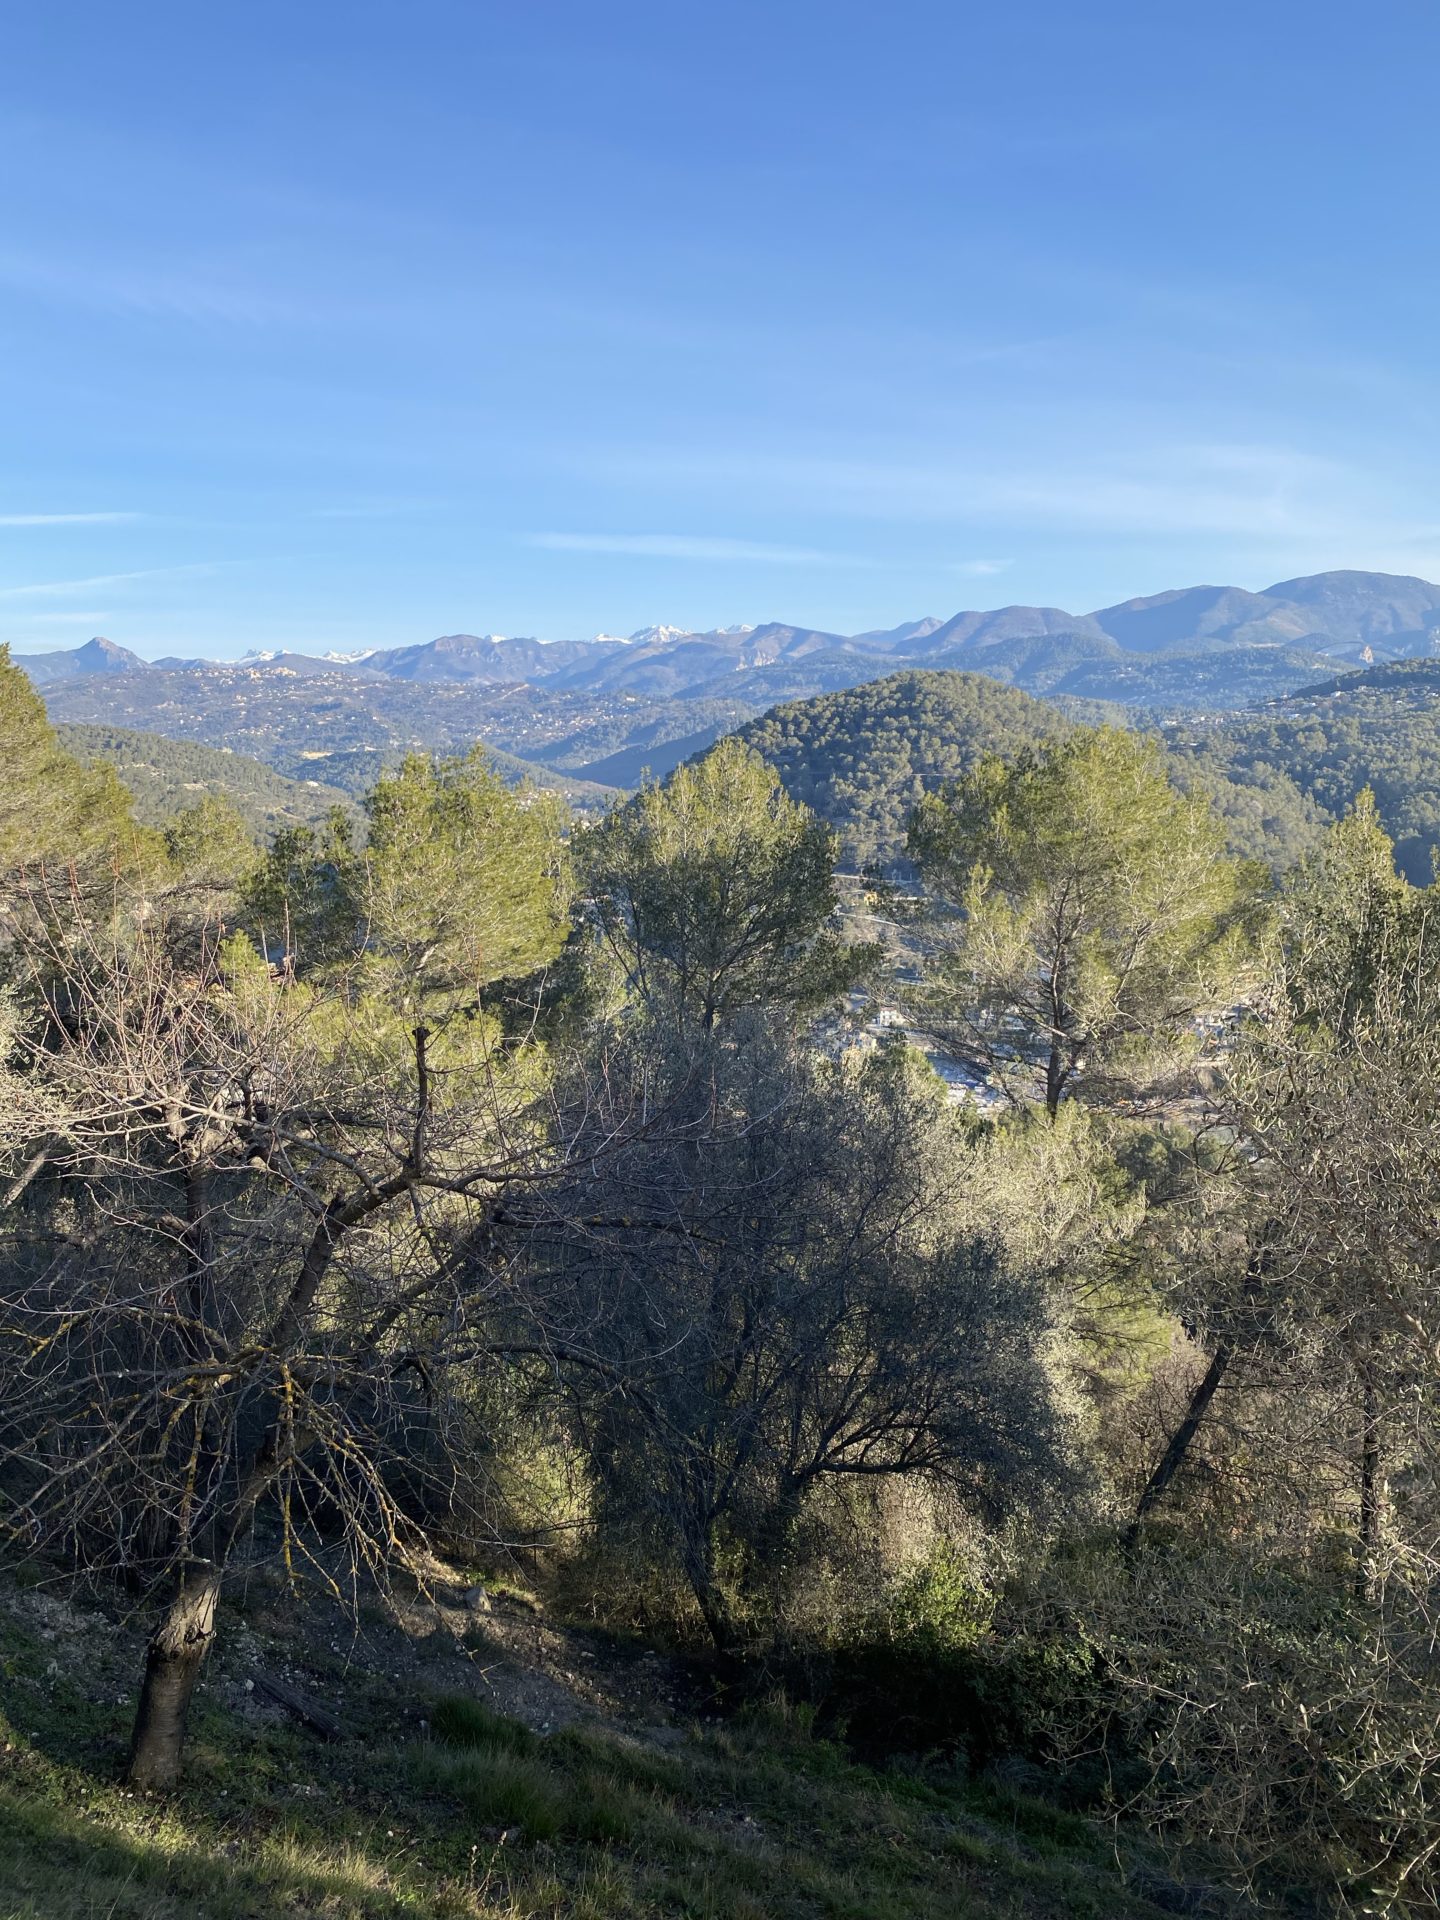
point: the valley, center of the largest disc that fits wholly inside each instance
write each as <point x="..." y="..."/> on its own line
<point x="1266" y="699"/>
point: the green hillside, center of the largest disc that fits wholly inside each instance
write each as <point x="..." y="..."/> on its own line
<point x="165" y="775"/>
<point x="862" y="758"/>
<point x="354" y="770"/>
<point x="432" y="1803"/>
<point x="1379" y="729"/>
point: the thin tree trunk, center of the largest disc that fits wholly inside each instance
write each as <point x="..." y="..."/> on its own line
<point x="178" y="1648"/>
<point x="716" y="1614"/>
<point x="22" y="1179"/>
<point x="1054" y="1081"/>
<point x="714" y="1608"/>
<point x="1174" y="1455"/>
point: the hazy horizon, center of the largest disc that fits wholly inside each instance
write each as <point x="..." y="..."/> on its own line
<point x="155" y="651"/>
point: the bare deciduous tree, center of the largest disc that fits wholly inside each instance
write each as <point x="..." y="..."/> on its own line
<point x="252" y="1239"/>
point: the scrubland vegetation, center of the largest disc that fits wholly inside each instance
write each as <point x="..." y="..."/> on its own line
<point x="1040" y="1500"/>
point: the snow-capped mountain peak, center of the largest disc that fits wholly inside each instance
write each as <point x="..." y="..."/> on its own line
<point x="661" y="636"/>
<point x="656" y="636"/>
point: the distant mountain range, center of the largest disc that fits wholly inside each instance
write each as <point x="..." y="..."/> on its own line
<point x="597" y="714"/>
<point x="861" y="755"/>
<point x="1196" y="646"/>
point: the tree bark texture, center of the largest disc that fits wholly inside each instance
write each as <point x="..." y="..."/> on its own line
<point x="173" y="1661"/>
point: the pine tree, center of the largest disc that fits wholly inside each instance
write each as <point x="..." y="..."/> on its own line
<point x="1089" y="914"/>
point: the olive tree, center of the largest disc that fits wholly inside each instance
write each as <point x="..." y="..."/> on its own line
<point x="773" y="1284"/>
<point x="769" y="1292"/>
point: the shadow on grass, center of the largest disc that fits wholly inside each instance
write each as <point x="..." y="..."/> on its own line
<point x="60" y="1864"/>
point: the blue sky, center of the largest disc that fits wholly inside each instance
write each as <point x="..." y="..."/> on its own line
<point x="346" y="325"/>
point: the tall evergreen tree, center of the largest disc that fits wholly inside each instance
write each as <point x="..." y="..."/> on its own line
<point x="462" y="881"/>
<point x="465" y="879"/>
<point x="715" y="893"/>
<point x="53" y="808"/>
<point x="1088" y="915"/>
<point x="1344" y="918"/>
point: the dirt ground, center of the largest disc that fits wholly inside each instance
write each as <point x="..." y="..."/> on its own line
<point x="462" y="1636"/>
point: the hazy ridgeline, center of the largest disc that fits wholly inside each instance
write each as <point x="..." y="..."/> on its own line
<point x="446" y="1173"/>
<point x="1283" y="705"/>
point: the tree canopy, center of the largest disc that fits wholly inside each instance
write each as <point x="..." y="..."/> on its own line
<point x="52" y="806"/>
<point x="461" y="881"/>
<point x="864" y="757"/>
<point x="1093" y="915"/>
<point x="1378" y="730"/>
<point x="715" y="892"/>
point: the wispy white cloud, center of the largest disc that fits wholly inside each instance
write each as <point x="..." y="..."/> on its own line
<point x="1243" y="491"/>
<point x="63" y="519"/>
<point x="192" y="290"/>
<point x="979" y="569"/>
<point x="371" y="510"/>
<point x="1232" y="489"/>
<point x="51" y="589"/>
<point x="684" y="546"/>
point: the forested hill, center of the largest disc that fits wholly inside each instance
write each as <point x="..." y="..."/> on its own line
<point x="165" y="775"/>
<point x="862" y="758"/>
<point x="1379" y="729"/>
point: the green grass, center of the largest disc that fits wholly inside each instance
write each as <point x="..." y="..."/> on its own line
<point x="481" y="1817"/>
<point x="521" y="1797"/>
<point x="463" y="1722"/>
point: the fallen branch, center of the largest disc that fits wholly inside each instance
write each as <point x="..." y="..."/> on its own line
<point x="309" y="1712"/>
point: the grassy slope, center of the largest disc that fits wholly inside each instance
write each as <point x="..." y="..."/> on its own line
<point x="751" y="1821"/>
